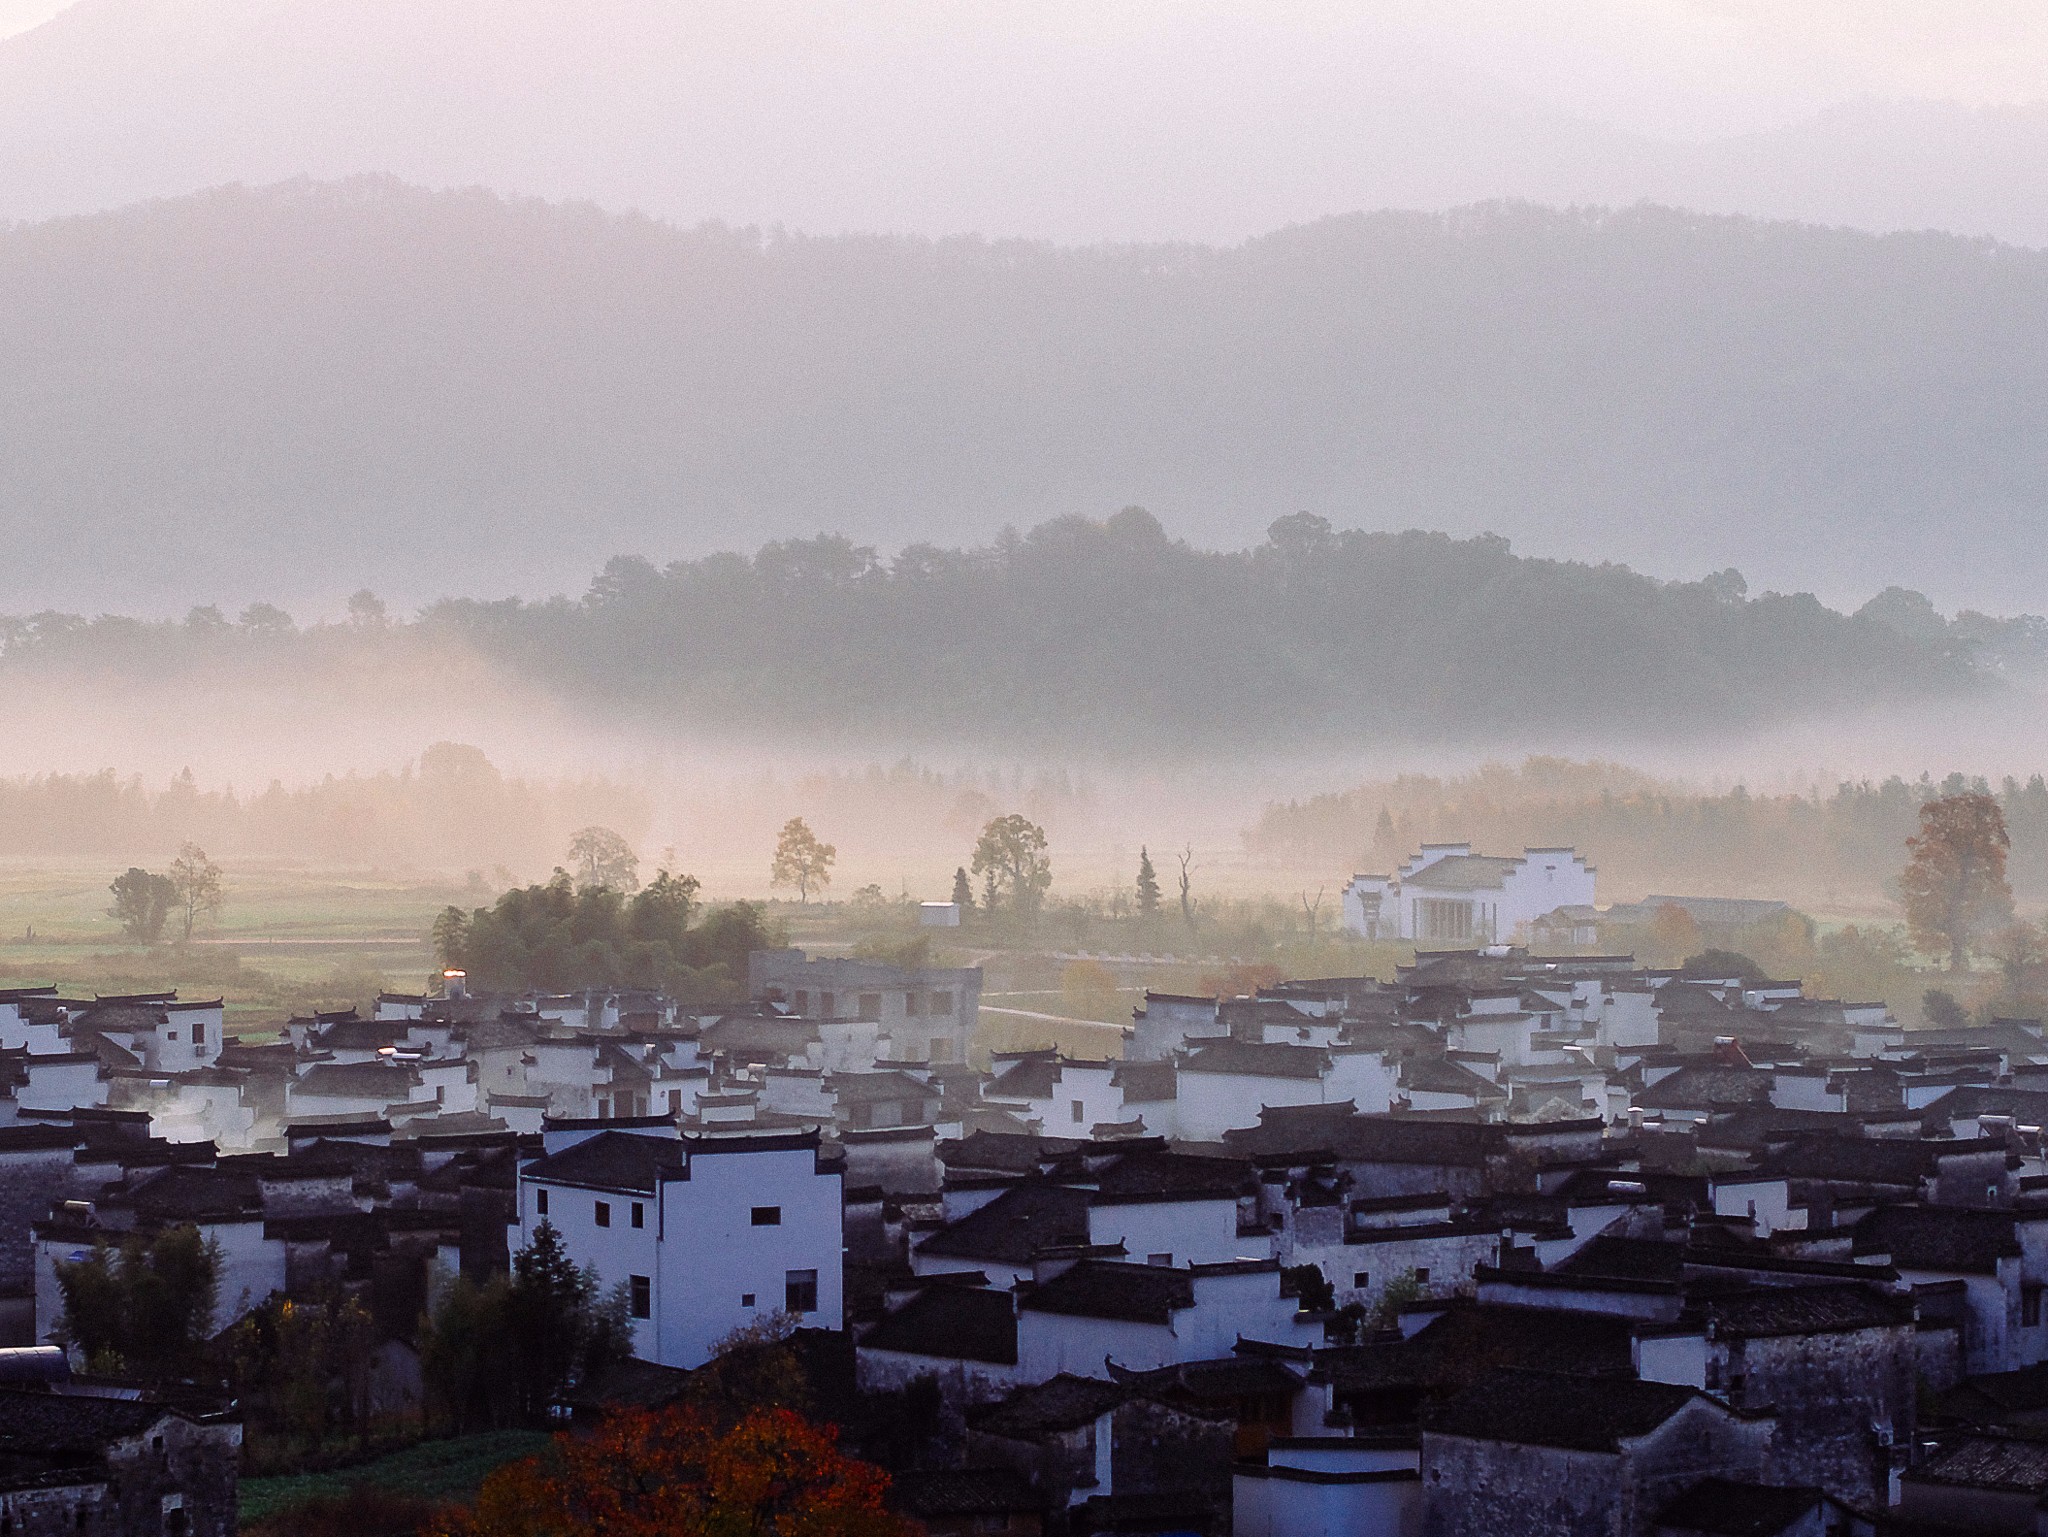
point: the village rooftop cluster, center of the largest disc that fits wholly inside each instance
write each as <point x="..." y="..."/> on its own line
<point x="1505" y="1243"/>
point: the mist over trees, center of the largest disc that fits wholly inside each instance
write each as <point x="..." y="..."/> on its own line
<point x="1105" y="633"/>
<point x="332" y="382"/>
<point x="1846" y="841"/>
<point x="449" y="807"/>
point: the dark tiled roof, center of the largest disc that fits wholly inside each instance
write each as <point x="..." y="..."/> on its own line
<point x="36" y="1423"/>
<point x="2018" y="1392"/>
<point x="1147" y="1082"/>
<point x="1707" y="1086"/>
<point x="1471" y="1338"/>
<point x="1545" y="1409"/>
<point x="1778" y="1310"/>
<point x="634" y="1384"/>
<point x="1986" y="1461"/>
<point x="1062" y="1403"/>
<point x="1280" y="1061"/>
<point x="1016" y="1225"/>
<point x="1626" y="1259"/>
<point x="1939" y="1238"/>
<point x="1336" y="1131"/>
<point x="932" y="1493"/>
<point x="862" y="1088"/>
<point x="962" y="1323"/>
<point x="1233" y="1377"/>
<point x="1033" y="1078"/>
<point x="1723" y="1507"/>
<point x="611" y="1160"/>
<point x="1157" y="1173"/>
<point x="1006" y="1152"/>
<point x="1463" y="872"/>
<point x="1437" y="1075"/>
<point x="357" y="1034"/>
<point x="1867" y="1160"/>
<point x="1146" y="1294"/>
<point x="392" y="1080"/>
<point x="197" y="1195"/>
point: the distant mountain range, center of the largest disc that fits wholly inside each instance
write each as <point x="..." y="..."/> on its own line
<point x="1203" y="119"/>
<point x="293" y="392"/>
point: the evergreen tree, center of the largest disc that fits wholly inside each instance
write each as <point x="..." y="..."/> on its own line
<point x="549" y="1313"/>
<point x="963" y="890"/>
<point x="1148" y="885"/>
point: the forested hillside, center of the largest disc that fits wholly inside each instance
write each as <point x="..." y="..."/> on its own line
<point x="1112" y="634"/>
<point x="289" y="393"/>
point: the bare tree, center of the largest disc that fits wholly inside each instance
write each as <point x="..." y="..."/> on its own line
<point x="1187" y="869"/>
<point x="1313" y="911"/>
<point x="197" y="882"/>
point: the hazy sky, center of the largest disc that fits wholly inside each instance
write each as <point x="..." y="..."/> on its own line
<point x="1678" y="67"/>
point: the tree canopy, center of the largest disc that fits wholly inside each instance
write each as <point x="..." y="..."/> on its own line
<point x="1954" y="888"/>
<point x="142" y="904"/>
<point x="145" y="1305"/>
<point x="801" y="860"/>
<point x="674" y="1473"/>
<point x="557" y="936"/>
<point x="1010" y="857"/>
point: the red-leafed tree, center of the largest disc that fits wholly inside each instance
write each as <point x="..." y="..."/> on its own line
<point x="673" y="1473"/>
<point x="1954" y="887"/>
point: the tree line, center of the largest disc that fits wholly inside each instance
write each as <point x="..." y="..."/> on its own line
<point x="449" y="807"/>
<point x="1109" y="632"/>
<point x="1647" y="834"/>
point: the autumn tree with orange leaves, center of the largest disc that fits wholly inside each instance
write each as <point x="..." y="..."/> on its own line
<point x="673" y="1473"/>
<point x="1954" y="887"/>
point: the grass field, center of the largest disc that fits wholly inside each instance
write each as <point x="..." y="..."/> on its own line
<point x="288" y="938"/>
<point x="436" y="1471"/>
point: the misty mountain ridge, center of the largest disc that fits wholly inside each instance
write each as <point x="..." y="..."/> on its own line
<point x="1208" y="121"/>
<point x="1083" y="635"/>
<point x="295" y="391"/>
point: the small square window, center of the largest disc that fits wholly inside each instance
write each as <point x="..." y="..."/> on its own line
<point x="540" y="1202"/>
<point x="171" y="1034"/>
<point x="604" y="1213"/>
<point x="942" y="1003"/>
<point x="870" y="1007"/>
<point x="1078" y="1112"/>
<point x="199" y="1033"/>
<point x="1362" y="1280"/>
<point x="942" y="1049"/>
<point x="1422" y="1275"/>
<point x="803" y="1001"/>
<point x="1165" y="1261"/>
<point x="800" y="1291"/>
<point x="825" y="1001"/>
<point x="639" y="1214"/>
<point x="639" y="1296"/>
<point x="746" y="1299"/>
<point x="913" y="1005"/>
<point x="767" y="1216"/>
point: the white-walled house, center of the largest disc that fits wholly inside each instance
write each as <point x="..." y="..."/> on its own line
<point x="1449" y="895"/>
<point x="708" y="1234"/>
<point x="1146" y="1316"/>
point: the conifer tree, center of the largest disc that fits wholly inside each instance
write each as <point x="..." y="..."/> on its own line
<point x="1148" y="885"/>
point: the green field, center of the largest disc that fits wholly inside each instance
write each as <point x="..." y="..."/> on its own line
<point x="435" y="1471"/>
<point x="288" y="939"/>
